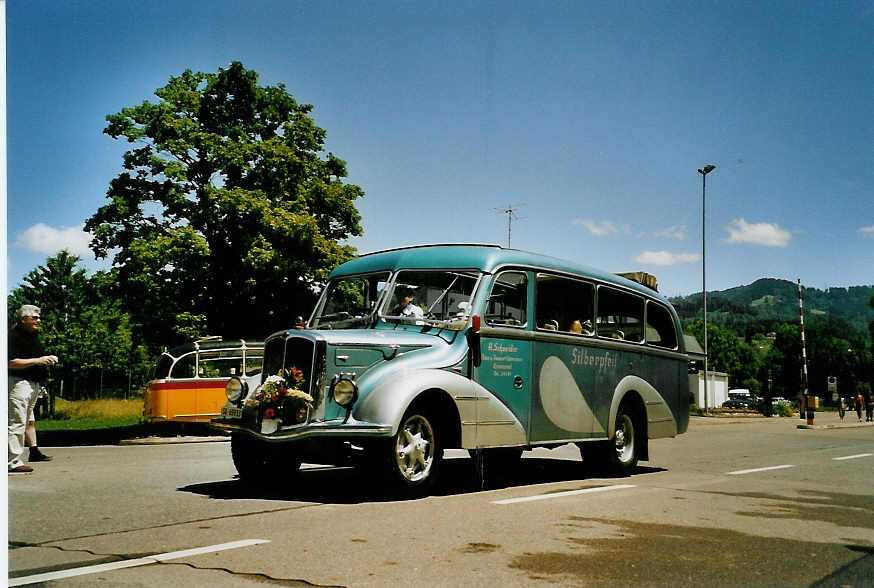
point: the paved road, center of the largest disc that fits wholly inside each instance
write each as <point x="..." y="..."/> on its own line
<point x="732" y="502"/>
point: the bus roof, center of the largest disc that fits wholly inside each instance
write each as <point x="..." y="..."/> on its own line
<point x="487" y="258"/>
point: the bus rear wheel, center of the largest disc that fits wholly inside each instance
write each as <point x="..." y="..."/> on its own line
<point x="625" y="452"/>
<point x="619" y="455"/>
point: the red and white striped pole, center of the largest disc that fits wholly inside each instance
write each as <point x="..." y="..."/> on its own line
<point x="805" y="399"/>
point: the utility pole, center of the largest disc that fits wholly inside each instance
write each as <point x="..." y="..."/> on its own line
<point x="704" y="171"/>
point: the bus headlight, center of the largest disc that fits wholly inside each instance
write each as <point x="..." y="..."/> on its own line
<point x="235" y="389"/>
<point x="345" y="392"/>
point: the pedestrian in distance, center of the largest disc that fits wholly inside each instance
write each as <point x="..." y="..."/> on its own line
<point x="28" y="369"/>
<point x="860" y="401"/>
<point x="869" y="407"/>
<point x="842" y="408"/>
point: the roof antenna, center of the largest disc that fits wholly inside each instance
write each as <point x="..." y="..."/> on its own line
<point x="510" y="211"/>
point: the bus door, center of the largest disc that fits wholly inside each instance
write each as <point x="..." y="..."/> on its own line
<point x="565" y="362"/>
<point x="619" y="323"/>
<point x="506" y="349"/>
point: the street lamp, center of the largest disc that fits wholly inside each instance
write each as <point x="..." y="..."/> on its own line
<point x="704" y="171"/>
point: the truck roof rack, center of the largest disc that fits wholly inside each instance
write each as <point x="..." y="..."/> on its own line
<point x="643" y="278"/>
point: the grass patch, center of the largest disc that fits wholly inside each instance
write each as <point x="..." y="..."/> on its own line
<point x="93" y="414"/>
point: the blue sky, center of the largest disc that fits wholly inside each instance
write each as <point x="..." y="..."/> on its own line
<point x="590" y="117"/>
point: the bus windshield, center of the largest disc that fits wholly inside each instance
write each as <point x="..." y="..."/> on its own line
<point x="431" y="297"/>
<point x="350" y="302"/>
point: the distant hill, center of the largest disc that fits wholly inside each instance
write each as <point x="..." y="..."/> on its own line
<point x="771" y="300"/>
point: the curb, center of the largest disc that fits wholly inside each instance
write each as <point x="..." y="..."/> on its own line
<point x="838" y="426"/>
<point x="145" y="434"/>
<point x="172" y="440"/>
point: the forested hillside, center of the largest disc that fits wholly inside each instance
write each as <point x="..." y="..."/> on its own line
<point x="760" y="306"/>
<point x="754" y="336"/>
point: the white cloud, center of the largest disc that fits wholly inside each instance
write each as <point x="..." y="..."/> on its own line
<point x="767" y="234"/>
<point x="867" y="232"/>
<point x="603" y="228"/>
<point x="49" y="240"/>
<point x="666" y="258"/>
<point x="675" y="232"/>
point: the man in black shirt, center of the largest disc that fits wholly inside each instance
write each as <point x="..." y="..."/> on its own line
<point x="28" y="369"/>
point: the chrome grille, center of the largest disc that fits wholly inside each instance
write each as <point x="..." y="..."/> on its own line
<point x="300" y="352"/>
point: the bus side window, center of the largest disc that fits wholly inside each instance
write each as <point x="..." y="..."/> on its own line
<point x="564" y="305"/>
<point x="660" y="330"/>
<point x="219" y="364"/>
<point x="184" y="367"/>
<point x="620" y="315"/>
<point x="162" y="367"/>
<point x="253" y="364"/>
<point x="507" y="305"/>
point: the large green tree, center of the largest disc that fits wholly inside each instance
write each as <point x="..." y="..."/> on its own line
<point x="228" y="212"/>
<point x="727" y="353"/>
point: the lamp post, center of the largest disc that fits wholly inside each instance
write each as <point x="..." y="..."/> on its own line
<point x="704" y="171"/>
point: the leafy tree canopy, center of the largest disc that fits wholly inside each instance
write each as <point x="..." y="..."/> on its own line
<point x="727" y="352"/>
<point x="227" y="213"/>
<point x="81" y="323"/>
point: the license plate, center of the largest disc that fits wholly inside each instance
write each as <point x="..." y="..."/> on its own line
<point x="231" y="412"/>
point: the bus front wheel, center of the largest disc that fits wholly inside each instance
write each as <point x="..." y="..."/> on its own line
<point x="411" y="460"/>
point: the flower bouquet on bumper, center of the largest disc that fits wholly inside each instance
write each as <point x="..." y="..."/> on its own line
<point x="281" y="400"/>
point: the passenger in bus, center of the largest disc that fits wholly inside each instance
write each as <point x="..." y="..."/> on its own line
<point x="582" y="328"/>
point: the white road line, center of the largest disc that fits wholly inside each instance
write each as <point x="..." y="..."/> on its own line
<point x="130" y="563"/>
<point x="852" y="456"/>
<point x="740" y="472"/>
<point x="562" y="494"/>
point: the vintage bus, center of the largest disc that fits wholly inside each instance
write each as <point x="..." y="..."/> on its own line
<point x="413" y="351"/>
<point x="187" y="383"/>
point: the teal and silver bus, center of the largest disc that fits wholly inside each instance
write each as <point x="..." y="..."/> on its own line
<point x="412" y="351"/>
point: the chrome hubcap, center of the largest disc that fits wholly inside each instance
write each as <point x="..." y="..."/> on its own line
<point x="624" y="439"/>
<point x="414" y="450"/>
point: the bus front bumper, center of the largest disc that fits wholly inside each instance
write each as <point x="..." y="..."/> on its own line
<point x="330" y="429"/>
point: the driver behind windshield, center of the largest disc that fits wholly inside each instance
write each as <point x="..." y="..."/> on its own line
<point x="405" y="307"/>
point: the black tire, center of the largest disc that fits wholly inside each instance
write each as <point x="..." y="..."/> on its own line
<point x="617" y="456"/>
<point x="411" y="460"/>
<point x="260" y="462"/>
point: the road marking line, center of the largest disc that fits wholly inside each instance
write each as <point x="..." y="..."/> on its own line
<point x="131" y="563"/>
<point x="852" y="456"/>
<point x="740" y="472"/>
<point x="562" y="494"/>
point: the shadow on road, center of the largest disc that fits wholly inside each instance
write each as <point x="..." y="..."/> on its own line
<point x="349" y="485"/>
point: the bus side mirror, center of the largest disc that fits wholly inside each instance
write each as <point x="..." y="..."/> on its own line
<point x="473" y="341"/>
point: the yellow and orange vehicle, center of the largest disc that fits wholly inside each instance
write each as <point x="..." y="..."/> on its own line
<point x="188" y="382"/>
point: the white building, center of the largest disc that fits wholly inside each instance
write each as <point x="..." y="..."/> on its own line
<point x="717" y="382"/>
<point x="717" y="388"/>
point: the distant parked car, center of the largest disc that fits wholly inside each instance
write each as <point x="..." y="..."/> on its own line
<point x="735" y="403"/>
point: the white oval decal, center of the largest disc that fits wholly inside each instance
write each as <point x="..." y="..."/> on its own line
<point x="562" y="399"/>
